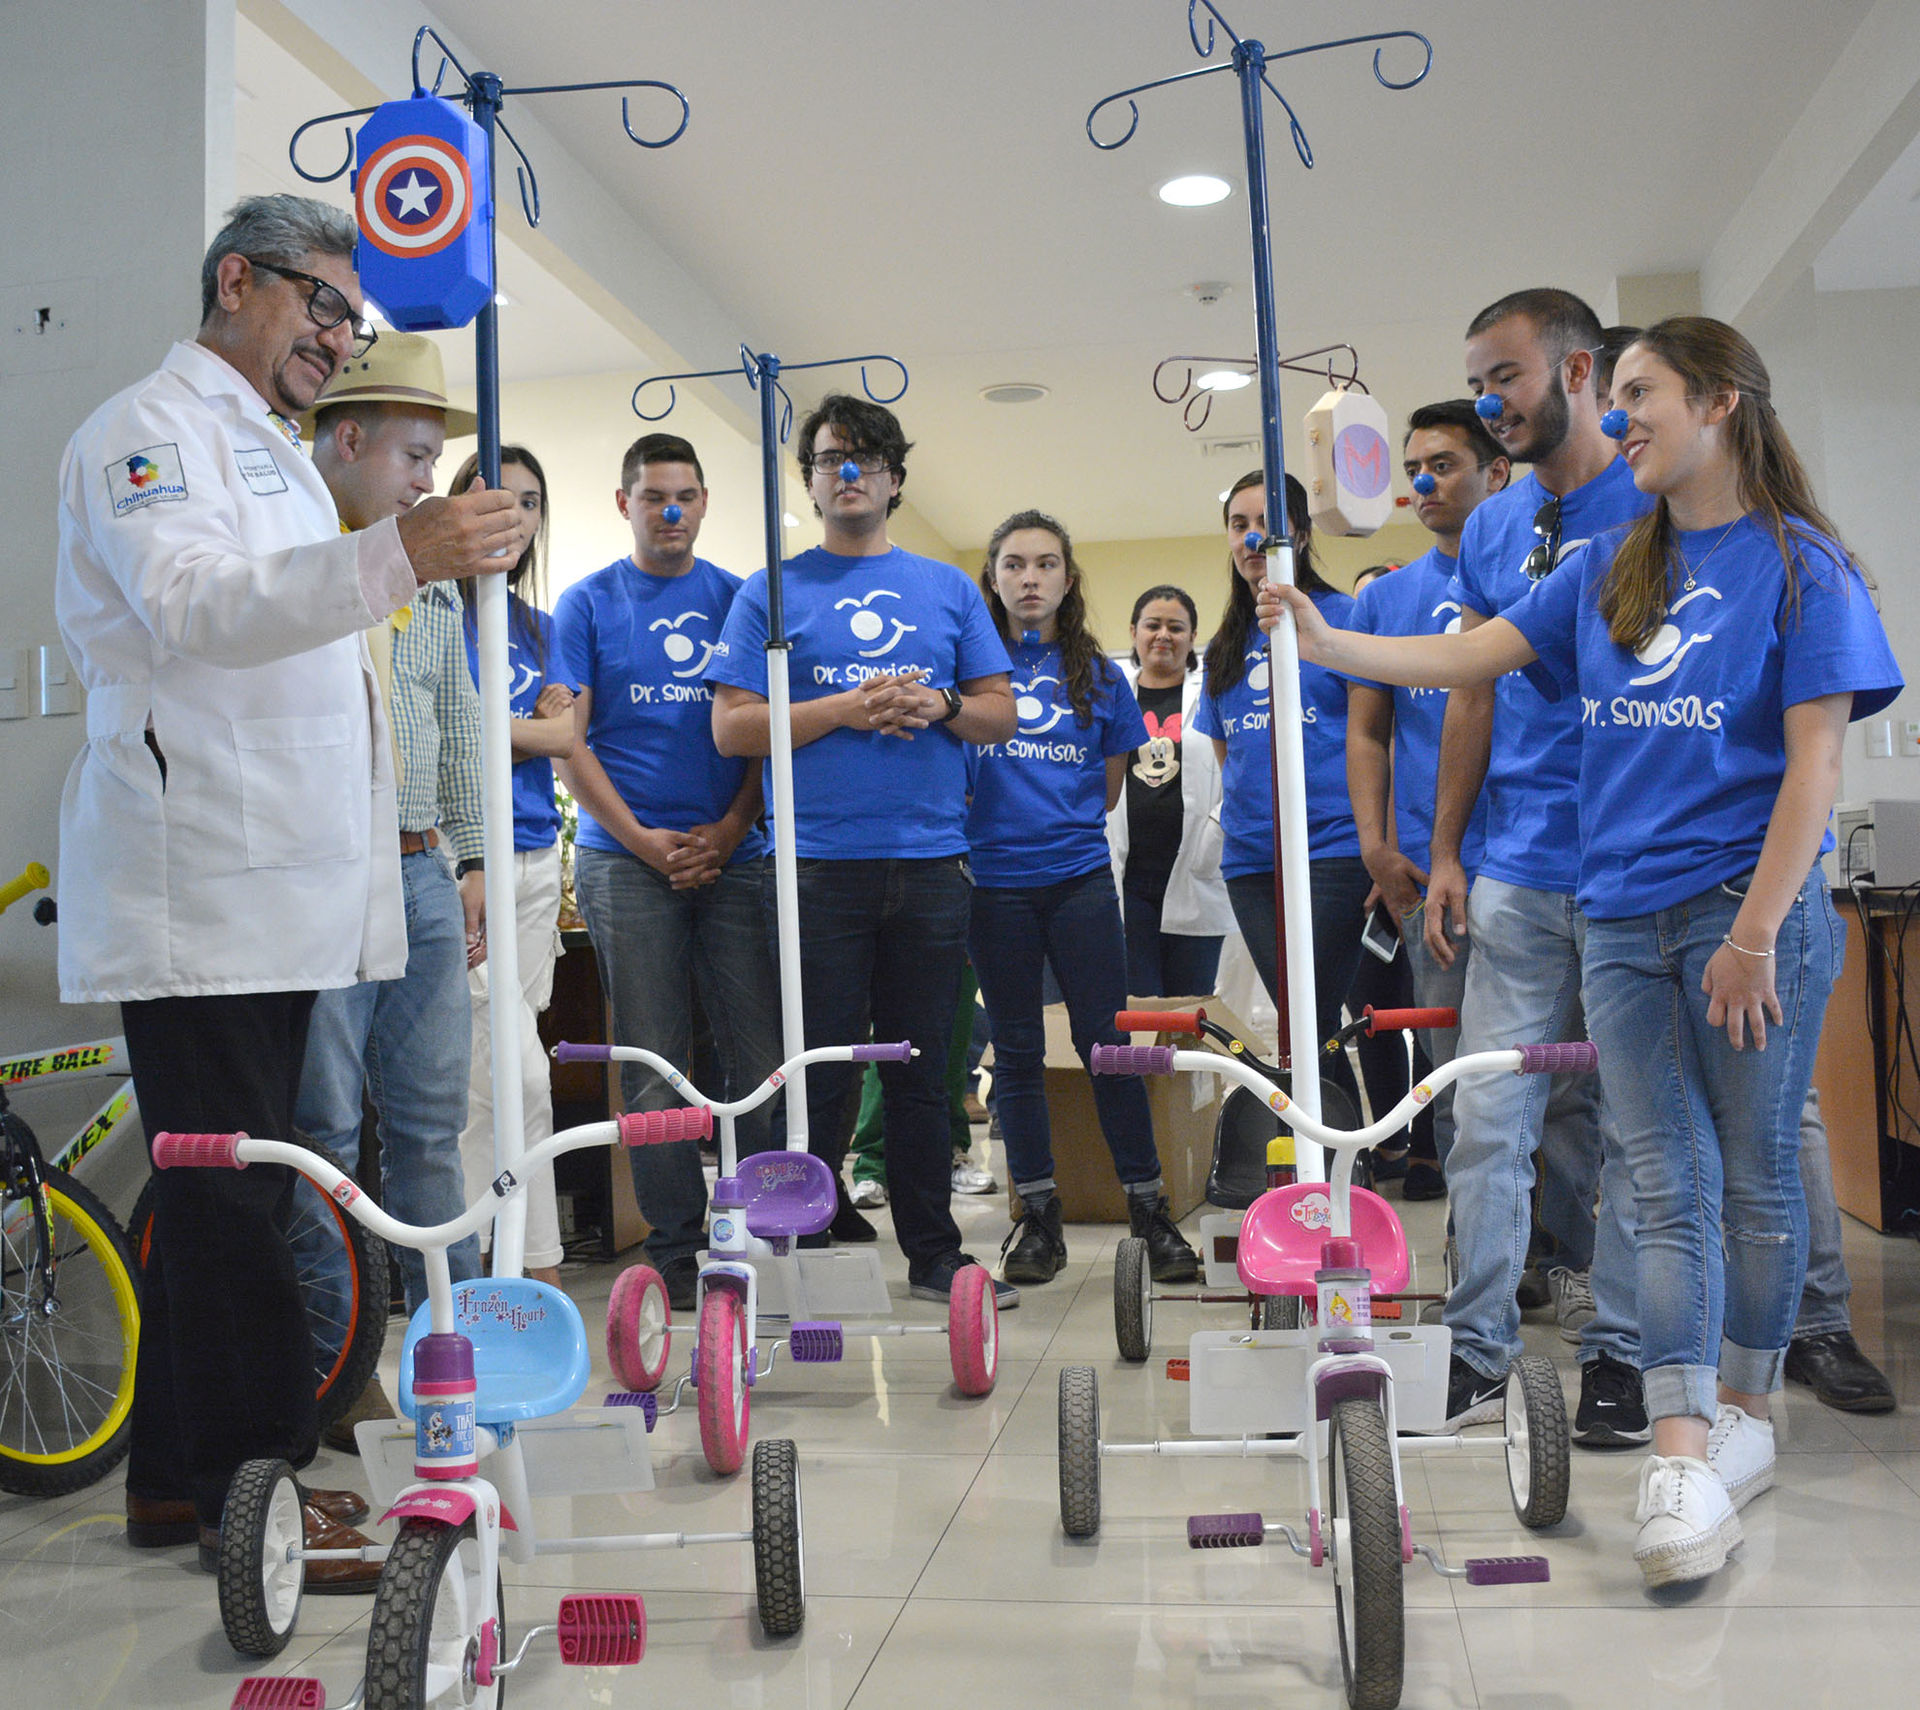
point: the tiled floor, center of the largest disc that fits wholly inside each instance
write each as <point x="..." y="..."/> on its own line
<point x="937" y="1574"/>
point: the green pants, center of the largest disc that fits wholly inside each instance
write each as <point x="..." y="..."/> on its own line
<point x="869" y="1131"/>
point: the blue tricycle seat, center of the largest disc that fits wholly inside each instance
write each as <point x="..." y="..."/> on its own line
<point x="530" y="1352"/>
<point x="1280" y="1240"/>
<point x="788" y="1193"/>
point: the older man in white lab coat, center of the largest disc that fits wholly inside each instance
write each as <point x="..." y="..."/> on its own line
<point x="227" y="836"/>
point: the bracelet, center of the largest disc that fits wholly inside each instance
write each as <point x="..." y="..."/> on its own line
<point x="1758" y="955"/>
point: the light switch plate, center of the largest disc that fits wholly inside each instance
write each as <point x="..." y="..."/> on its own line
<point x="1879" y="739"/>
<point x="13" y="682"/>
<point x="58" y="692"/>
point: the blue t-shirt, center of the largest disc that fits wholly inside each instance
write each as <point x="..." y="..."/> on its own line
<point x="1417" y="599"/>
<point x="640" y="645"/>
<point x="1683" y="746"/>
<point x="536" y="816"/>
<point x="862" y="795"/>
<point x="1240" y="718"/>
<point x="1533" y="825"/>
<point x="1039" y="811"/>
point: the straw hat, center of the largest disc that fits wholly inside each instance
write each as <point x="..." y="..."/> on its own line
<point x="401" y="368"/>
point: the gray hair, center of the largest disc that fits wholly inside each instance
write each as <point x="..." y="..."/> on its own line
<point x="280" y="229"/>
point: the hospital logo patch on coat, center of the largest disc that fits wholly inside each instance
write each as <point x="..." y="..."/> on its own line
<point x="150" y="476"/>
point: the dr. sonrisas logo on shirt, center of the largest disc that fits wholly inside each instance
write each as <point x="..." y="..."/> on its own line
<point x="149" y="476"/>
<point x="869" y="623"/>
<point x="1037" y="713"/>
<point x="1665" y="651"/>
<point x="680" y="647"/>
<point x="1451" y="625"/>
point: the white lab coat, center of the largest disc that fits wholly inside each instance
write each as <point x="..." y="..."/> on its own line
<point x="1196" y="904"/>
<point x="205" y="592"/>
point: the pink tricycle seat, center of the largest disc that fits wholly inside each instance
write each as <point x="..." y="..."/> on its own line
<point x="788" y="1193"/>
<point x="1280" y="1240"/>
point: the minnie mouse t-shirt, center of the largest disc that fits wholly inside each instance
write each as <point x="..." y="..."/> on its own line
<point x="1153" y="792"/>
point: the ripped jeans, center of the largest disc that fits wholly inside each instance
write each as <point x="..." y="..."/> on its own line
<point x="1712" y="1137"/>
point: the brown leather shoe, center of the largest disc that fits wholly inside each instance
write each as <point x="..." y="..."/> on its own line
<point x="322" y="1532"/>
<point x="370" y="1403"/>
<point x="348" y="1507"/>
<point x="157" y="1524"/>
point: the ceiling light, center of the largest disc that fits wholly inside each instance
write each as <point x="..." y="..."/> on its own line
<point x="1226" y="493"/>
<point x="1223" y="380"/>
<point x="502" y="301"/>
<point x="1201" y="190"/>
<point x="789" y="519"/>
<point x="1014" y="392"/>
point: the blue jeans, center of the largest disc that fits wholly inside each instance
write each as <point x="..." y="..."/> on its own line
<point x="1074" y="926"/>
<point x="1160" y="963"/>
<point x="1826" y="1296"/>
<point x="1523" y="988"/>
<point x="1712" y="1136"/>
<point x="655" y="946"/>
<point x="881" y="948"/>
<point x="1340" y="884"/>
<point x="408" y="1044"/>
<point x="1435" y="987"/>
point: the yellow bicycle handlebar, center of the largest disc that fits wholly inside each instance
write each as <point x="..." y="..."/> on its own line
<point x="33" y="877"/>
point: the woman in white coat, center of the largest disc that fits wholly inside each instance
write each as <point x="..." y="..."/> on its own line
<point x="1165" y="831"/>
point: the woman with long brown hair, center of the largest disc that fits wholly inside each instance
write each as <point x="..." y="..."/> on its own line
<point x="1719" y="646"/>
<point x="1044" y="892"/>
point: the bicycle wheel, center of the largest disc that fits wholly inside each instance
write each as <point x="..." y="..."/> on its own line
<point x="1366" y="1554"/>
<point x="343" y="1281"/>
<point x="424" y="1637"/>
<point x="66" y="1366"/>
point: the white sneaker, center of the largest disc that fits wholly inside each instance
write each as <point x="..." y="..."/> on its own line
<point x="968" y="1177"/>
<point x="1740" y="1450"/>
<point x="1572" y="1293"/>
<point x="1687" y="1521"/>
<point x="868" y="1196"/>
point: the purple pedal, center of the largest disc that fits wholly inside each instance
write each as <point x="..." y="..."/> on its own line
<point x="1507" y="1570"/>
<point x="817" y="1343"/>
<point x="279" y="1692"/>
<point x="647" y="1404"/>
<point x="1225" y="1531"/>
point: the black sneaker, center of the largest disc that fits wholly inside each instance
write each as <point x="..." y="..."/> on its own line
<point x="1039" y="1249"/>
<point x="1613" y="1406"/>
<point x="681" y="1276"/>
<point x="1533" y="1293"/>
<point x="1169" y="1258"/>
<point x="1472" y="1398"/>
<point x="1424" y="1180"/>
<point x="936" y="1281"/>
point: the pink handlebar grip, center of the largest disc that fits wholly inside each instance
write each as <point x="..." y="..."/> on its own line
<point x="657" y="1127"/>
<point x="198" y="1151"/>
<point x="883" y="1053"/>
<point x="1133" y="1059"/>
<point x="1393" y="1020"/>
<point x="1160" y="1020"/>
<point x="1580" y="1057"/>
<point x="565" y="1053"/>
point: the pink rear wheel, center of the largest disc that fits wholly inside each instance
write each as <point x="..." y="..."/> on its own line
<point x="973" y="1330"/>
<point x="721" y="1371"/>
<point x="639" y="1329"/>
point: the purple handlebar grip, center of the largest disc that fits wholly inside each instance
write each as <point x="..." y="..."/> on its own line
<point x="1507" y="1570"/>
<point x="657" y="1127"/>
<point x="197" y="1151"/>
<point x="1133" y="1059"/>
<point x="883" y="1053"/>
<point x="565" y="1053"/>
<point x="1580" y="1057"/>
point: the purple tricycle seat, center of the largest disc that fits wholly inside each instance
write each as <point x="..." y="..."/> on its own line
<point x="788" y="1193"/>
<point x="1280" y="1240"/>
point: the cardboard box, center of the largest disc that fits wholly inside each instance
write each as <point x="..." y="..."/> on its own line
<point x="1185" y="1109"/>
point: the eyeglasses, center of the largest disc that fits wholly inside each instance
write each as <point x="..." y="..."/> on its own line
<point x="327" y="308"/>
<point x="1541" y="560"/>
<point x="867" y="462"/>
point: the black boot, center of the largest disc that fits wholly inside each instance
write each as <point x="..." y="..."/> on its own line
<point x="1039" y="1249"/>
<point x="1169" y="1257"/>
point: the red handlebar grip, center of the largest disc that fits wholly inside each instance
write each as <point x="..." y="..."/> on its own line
<point x="1579" y="1057"/>
<point x="1393" y="1020"/>
<point x="657" y="1127"/>
<point x="198" y="1151"/>
<point x="1159" y="1020"/>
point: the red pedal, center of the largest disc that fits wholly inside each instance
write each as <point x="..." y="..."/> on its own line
<point x="1386" y="1308"/>
<point x="605" y="1631"/>
<point x="279" y="1692"/>
<point x="1180" y="1371"/>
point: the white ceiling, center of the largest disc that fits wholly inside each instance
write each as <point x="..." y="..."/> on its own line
<point x="916" y="178"/>
<point x="1878" y="246"/>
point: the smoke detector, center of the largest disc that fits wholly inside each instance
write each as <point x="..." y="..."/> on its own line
<point x="1207" y="292"/>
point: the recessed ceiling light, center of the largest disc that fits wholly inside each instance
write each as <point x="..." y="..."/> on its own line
<point x="1200" y="190"/>
<point x="1014" y="392"/>
<point x="502" y="301"/>
<point x="1223" y="380"/>
<point x="1226" y="493"/>
<point x="789" y="519"/>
